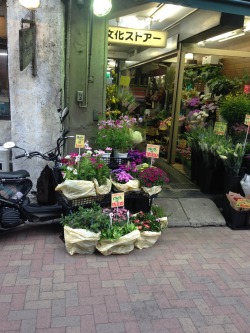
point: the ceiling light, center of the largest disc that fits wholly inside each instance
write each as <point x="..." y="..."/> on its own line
<point x="225" y="35"/>
<point x="224" y="39"/>
<point x="102" y="7"/>
<point x="165" y="11"/>
<point x="135" y="22"/>
<point x="30" y="4"/>
<point x="189" y="56"/>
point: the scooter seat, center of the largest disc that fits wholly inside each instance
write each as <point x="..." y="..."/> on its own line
<point x="14" y="174"/>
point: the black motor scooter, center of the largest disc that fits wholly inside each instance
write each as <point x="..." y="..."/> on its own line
<point x="16" y="207"/>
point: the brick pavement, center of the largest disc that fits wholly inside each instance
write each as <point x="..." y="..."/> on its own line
<point x="194" y="280"/>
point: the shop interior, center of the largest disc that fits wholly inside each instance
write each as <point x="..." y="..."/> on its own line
<point x="224" y="56"/>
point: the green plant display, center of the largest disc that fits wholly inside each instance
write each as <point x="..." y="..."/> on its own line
<point x="234" y="108"/>
<point x="116" y="231"/>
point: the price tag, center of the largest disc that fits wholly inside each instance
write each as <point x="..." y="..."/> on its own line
<point x="117" y="199"/>
<point x="152" y="151"/>
<point x="243" y="203"/>
<point x="247" y="120"/>
<point x="80" y="141"/>
<point x="220" y="128"/>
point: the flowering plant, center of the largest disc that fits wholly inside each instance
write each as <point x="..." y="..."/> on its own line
<point x="146" y="222"/>
<point x="85" y="167"/>
<point x="136" y="156"/>
<point x="231" y="156"/>
<point x="116" y="133"/>
<point x="153" y="176"/>
<point x="121" y="176"/>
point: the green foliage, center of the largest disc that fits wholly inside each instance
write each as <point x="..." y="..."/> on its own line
<point x="200" y="74"/>
<point x="222" y="85"/>
<point x="91" y="219"/>
<point x="146" y="222"/>
<point x="234" y="108"/>
<point x="158" y="211"/>
<point x="117" y="230"/>
<point x="87" y="168"/>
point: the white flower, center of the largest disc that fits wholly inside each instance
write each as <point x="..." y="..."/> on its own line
<point x="77" y="159"/>
<point x="69" y="168"/>
<point x="68" y="157"/>
<point x="89" y="152"/>
<point x="137" y="137"/>
<point x="75" y="172"/>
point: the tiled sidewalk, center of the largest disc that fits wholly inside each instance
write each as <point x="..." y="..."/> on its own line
<point x="192" y="280"/>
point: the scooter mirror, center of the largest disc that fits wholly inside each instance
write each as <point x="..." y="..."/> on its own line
<point x="65" y="112"/>
<point x="9" y="145"/>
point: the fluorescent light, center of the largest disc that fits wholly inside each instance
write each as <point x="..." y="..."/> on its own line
<point x="3" y="53"/>
<point x="165" y="11"/>
<point x="224" y="39"/>
<point x="30" y="4"/>
<point x="225" y="35"/>
<point x="189" y="56"/>
<point x="102" y="7"/>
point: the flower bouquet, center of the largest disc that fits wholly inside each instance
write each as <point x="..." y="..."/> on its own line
<point x="152" y="179"/>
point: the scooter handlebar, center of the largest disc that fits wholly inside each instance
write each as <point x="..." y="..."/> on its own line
<point x="20" y="156"/>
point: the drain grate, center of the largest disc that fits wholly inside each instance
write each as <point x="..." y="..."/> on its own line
<point x="183" y="186"/>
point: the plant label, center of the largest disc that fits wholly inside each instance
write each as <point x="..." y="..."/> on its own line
<point x="247" y="120"/>
<point x="152" y="151"/>
<point x="80" y="141"/>
<point x="220" y="128"/>
<point x="117" y="200"/>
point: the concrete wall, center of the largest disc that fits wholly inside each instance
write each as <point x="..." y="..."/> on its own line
<point x="85" y="69"/>
<point x="34" y="100"/>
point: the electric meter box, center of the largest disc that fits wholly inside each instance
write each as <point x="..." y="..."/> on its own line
<point x="4" y="159"/>
<point x="210" y="60"/>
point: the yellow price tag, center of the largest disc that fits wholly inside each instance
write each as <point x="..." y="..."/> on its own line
<point x="80" y="141"/>
<point x="247" y="120"/>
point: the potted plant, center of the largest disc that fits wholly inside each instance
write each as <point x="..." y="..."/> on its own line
<point x="234" y="108"/>
<point x="123" y="180"/>
<point x="117" y="134"/>
<point x="150" y="228"/>
<point x="152" y="179"/>
<point x="84" y="175"/>
<point x="82" y="229"/>
<point x="120" y="236"/>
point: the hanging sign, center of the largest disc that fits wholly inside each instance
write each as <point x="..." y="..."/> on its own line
<point x="79" y="143"/>
<point x="220" y="128"/>
<point x="152" y="151"/>
<point x="117" y="199"/>
<point x="124" y="81"/>
<point x="149" y="38"/>
<point x="247" y="120"/>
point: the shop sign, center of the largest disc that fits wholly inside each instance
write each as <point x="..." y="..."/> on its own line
<point x="117" y="200"/>
<point x="148" y="38"/>
<point x="220" y="128"/>
<point x="247" y="120"/>
<point x="79" y="143"/>
<point x="152" y="151"/>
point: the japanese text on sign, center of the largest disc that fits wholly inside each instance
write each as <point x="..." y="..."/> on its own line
<point x="80" y="141"/>
<point x="152" y="151"/>
<point x="220" y="128"/>
<point x="130" y="36"/>
<point x="117" y="200"/>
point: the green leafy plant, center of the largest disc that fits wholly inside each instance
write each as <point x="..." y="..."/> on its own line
<point x="222" y="85"/>
<point x="233" y="108"/>
<point x="91" y="219"/>
<point x="117" y="230"/>
<point x="232" y="156"/>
